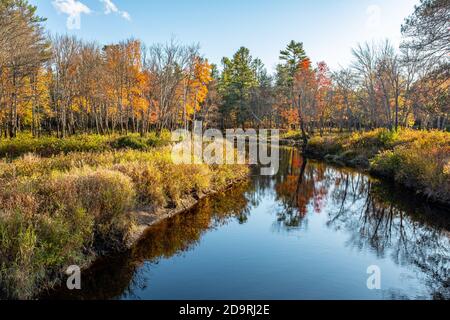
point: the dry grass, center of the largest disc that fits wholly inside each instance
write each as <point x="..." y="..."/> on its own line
<point x="419" y="160"/>
<point x="64" y="210"/>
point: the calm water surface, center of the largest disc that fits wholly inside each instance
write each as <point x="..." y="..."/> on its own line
<point x="310" y="232"/>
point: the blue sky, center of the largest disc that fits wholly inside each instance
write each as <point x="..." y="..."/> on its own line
<point x="328" y="28"/>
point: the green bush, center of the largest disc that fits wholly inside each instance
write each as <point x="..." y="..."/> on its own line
<point x="48" y="146"/>
<point x="321" y="146"/>
<point x="386" y="163"/>
<point x="130" y="142"/>
<point x="35" y="245"/>
<point x="163" y="139"/>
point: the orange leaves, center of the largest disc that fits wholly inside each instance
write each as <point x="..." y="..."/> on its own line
<point x="290" y="116"/>
<point x="305" y="64"/>
<point x="196" y="86"/>
<point x="128" y="84"/>
<point x="312" y="86"/>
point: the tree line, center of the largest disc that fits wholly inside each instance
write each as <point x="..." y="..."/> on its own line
<point x="61" y="85"/>
<point x="383" y="87"/>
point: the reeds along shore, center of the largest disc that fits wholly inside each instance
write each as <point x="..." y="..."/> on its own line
<point x="70" y="208"/>
<point x="419" y="160"/>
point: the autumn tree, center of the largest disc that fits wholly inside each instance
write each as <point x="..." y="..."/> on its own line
<point x="173" y="69"/>
<point x="305" y="90"/>
<point x="65" y="63"/>
<point x="344" y="101"/>
<point x="210" y="112"/>
<point x="23" y="51"/>
<point x="197" y="89"/>
<point x="291" y="59"/>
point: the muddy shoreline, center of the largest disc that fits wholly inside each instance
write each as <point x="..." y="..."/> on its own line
<point x="147" y="217"/>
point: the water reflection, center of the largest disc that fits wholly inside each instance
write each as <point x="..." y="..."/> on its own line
<point x="376" y="218"/>
<point x="385" y="228"/>
<point x="119" y="276"/>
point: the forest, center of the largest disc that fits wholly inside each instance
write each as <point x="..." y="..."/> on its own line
<point x="60" y="85"/>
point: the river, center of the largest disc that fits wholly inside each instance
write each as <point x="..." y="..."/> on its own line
<point x="310" y="232"/>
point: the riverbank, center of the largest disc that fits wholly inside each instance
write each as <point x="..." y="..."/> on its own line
<point x="418" y="160"/>
<point x="257" y="227"/>
<point x="149" y="216"/>
<point x="71" y="209"/>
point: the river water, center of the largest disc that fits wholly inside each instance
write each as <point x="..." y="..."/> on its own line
<point x="310" y="232"/>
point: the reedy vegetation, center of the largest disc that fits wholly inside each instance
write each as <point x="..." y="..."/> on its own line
<point x="67" y="209"/>
<point x="419" y="160"/>
<point x="48" y="146"/>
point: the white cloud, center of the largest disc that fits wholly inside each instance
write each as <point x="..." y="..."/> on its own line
<point x="74" y="9"/>
<point x="126" y="15"/>
<point x="110" y="7"/>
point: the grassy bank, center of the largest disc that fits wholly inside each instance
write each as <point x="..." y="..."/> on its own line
<point x="68" y="209"/>
<point x="419" y="160"/>
<point x="46" y="146"/>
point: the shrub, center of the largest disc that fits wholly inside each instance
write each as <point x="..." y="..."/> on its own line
<point x="130" y="142"/>
<point x="416" y="159"/>
<point x="35" y="246"/>
<point x="386" y="163"/>
<point x="63" y="210"/>
<point x="420" y="165"/>
<point x="224" y="175"/>
<point x="322" y="146"/>
<point x="292" y="134"/>
<point x="147" y="180"/>
<point x="105" y="195"/>
<point x="163" y="139"/>
<point x="47" y="146"/>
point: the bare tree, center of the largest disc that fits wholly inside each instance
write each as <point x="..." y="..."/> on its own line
<point x="427" y="29"/>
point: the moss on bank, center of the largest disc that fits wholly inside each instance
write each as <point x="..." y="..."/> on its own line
<point x="68" y="209"/>
<point x="419" y="160"/>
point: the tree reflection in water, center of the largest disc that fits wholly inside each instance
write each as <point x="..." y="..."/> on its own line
<point x="377" y="216"/>
<point x="120" y="276"/>
<point x="302" y="183"/>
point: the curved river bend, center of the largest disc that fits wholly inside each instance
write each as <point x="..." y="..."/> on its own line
<point x="311" y="232"/>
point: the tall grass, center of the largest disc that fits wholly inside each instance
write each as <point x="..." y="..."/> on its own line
<point x="419" y="160"/>
<point x="47" y="146"/>
<point x="67" y="209"/>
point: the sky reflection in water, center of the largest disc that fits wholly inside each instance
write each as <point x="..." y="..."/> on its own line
<point x="310" y="232"/>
